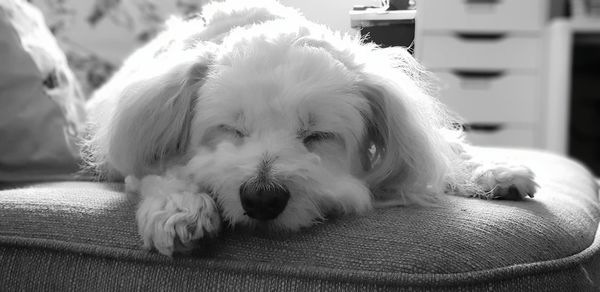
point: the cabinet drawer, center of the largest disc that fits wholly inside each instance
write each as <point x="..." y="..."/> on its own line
<point x="452" y="51"/>
<point x="503" y="137"/>
<point x="491" y="96"/>
<point x="482" y="15"/>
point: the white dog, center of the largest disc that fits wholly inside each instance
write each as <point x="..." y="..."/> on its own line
<point x="253" y="116"/>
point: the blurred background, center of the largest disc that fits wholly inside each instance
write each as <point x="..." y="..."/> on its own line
<point x="520" y="73"/>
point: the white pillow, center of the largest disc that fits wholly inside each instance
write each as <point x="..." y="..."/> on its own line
<point x="41" y="104"/>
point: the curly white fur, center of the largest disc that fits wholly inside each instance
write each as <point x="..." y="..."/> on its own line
<point x="254" y="93"/>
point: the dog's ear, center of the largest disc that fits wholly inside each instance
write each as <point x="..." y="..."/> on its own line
<point x="151" y="123"/>
<point x="404" y="152"/>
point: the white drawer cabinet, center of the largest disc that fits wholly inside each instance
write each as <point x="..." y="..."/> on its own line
<point x="490" y="57"/>
<point x="504" y="137"/>
<point x="503" y="51"/>
<point x="493" y="97"/>
<point x="483" y="15"/>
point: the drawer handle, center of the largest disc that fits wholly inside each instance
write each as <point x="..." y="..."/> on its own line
<point x="480" y="36"/>
<point x="475" y="2"/>
<point x="482" y="127"/>
<point x="466" y="74"/>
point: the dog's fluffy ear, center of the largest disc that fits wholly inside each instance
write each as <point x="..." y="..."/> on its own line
<point x="151" y="122"/>
<point x="405" y="154"/>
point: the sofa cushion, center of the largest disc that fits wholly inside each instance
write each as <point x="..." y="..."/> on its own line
<point x="82" y="235"/>
<point x="42" y="110"/>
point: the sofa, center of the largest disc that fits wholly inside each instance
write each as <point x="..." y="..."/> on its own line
<point x="61" y="231"/>
<point x="82" y="236"/>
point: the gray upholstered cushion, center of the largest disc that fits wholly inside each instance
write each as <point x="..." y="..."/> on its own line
<point x="82" y="235"/>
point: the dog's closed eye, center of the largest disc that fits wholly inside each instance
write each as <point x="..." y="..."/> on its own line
<point x="315" y="137"/>
<point x="220" y="133"/>
<point x="233" y="131"/>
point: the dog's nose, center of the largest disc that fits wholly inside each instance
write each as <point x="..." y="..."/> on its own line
<point x="263" y="202"/>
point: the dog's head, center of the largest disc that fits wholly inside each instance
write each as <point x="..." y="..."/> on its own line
<point x="285" y="123"/>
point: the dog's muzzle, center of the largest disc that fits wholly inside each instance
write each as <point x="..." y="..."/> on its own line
<point x="263" y="201"/>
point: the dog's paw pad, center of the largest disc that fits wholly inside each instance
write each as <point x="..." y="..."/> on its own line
<point x="507" y="182"/>
<point x="511" y="193"/>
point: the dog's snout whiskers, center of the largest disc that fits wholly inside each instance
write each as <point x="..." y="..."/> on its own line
<point x="265" y="168"/>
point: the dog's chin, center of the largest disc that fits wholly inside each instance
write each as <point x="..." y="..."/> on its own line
<point x="290" y="220"/>
<point x="315" y="191"/>
<point x="312" y="199"/>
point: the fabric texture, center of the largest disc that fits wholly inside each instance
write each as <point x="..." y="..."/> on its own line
<point x="42" y="110"/>
<point x="82" y="236"/>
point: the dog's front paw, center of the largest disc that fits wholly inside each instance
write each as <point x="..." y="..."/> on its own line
<point x="174" y="222"/>
<point x="510" y="182"/>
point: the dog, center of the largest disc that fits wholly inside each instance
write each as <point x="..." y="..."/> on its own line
<point x="251" y="115"/>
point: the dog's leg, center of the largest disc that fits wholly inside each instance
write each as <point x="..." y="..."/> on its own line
<point x="476" y="176"/>
<point x="173" y="214"/>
